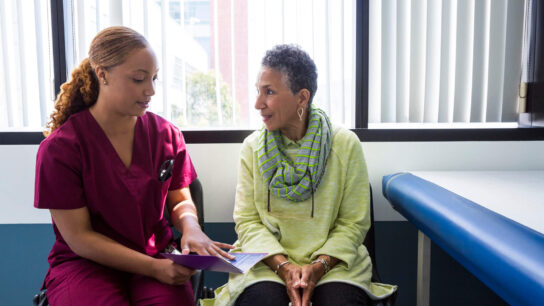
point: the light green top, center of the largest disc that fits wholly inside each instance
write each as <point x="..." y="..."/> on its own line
<point x="341" y="220"/>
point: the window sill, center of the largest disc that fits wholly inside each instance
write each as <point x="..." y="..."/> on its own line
<point x="365" y="135"/>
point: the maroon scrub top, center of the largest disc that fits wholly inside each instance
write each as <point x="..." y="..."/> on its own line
<point x="78" y="166"/>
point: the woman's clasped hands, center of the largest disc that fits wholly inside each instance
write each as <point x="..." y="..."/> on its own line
<point x="301" y="281"/>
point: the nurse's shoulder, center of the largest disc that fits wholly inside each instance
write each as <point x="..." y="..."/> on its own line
<point x="66" y="137"/>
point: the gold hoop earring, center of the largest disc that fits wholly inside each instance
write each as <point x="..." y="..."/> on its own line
<point x="300" y="112"/>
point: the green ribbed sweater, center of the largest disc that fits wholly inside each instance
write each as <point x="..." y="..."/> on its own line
<point x="341" y="219"/>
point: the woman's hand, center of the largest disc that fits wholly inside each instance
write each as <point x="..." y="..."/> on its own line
<point x="291" y="275"/>
<point x="184" y="217"/>
<point x="170" y="273"/>
<point x="310" y="276"/>
<point x="194" y="240"/>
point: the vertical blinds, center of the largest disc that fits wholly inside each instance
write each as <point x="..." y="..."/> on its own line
<point x="323" y="28"/>
<point x="26" y="75"/>
<point x="444" y="61"/>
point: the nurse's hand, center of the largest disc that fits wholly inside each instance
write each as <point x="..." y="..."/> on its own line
<point x="170" y="273"/>
<point x="194" y="240"/>
<point x="184" y="217"/>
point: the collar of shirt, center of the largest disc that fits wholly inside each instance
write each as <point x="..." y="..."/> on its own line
<point x="290" y="144"/>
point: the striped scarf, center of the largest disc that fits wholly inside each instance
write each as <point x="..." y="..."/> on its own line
<point x="289" y="180"/>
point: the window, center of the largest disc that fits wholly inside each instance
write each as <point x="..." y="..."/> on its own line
<point x="444" y="63"/>
<point x="392" y="66"/>
<point x="209" y="52"/>
<point x="26" y="70"/>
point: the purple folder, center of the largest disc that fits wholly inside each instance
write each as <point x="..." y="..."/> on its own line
<point x="241" y="264"/>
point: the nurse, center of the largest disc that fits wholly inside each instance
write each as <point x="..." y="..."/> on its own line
<point x="100" y="172"/>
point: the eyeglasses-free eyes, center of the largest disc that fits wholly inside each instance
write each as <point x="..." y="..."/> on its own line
<point x="165" y="171"/>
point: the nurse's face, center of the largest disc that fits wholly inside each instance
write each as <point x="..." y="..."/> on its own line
<point x="130" y="86"/>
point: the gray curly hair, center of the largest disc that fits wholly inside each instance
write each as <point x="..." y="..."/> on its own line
<point x="296" y="65"/>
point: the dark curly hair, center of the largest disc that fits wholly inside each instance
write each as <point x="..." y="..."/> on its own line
<point x="296" y="65"/>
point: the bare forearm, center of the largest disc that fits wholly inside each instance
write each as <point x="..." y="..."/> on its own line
<point x="324" y="263"/>
<point x="331" y="261"/>
<point x="103" y="250"/>
<point x="184" y="216"/>
<point x="274" y="261"/>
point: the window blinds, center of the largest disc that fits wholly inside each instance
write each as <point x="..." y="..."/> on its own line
<point x="444" y="61"/>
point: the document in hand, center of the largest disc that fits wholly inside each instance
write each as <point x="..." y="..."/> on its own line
<point x="241" y="264"/>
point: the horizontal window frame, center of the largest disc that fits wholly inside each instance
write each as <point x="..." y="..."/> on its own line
<point x="365" y="135"/>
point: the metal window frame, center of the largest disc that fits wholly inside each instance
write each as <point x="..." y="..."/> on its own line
<point x="59" y="43"/>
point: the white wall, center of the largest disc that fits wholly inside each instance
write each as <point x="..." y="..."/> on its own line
<point x="216" y="165"/>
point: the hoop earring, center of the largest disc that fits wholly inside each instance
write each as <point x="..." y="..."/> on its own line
<point x="300" y="112"/>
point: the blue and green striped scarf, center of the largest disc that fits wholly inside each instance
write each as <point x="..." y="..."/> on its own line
<point x="293" y="180"/>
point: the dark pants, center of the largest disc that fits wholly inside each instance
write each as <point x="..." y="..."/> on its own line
<point x="275" y="294"/>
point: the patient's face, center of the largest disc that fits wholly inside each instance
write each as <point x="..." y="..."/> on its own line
<point x="275" y="101"/>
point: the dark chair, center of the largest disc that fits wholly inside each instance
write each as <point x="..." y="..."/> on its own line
<point x="369" y="244"/>
<point x="197" y="280"/>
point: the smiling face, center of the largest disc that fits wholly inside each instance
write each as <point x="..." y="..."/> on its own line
<point x="278" y="105"/>
<point x="130" y="85"/>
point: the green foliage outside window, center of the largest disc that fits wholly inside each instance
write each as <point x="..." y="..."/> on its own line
<point x="202" y="110"/>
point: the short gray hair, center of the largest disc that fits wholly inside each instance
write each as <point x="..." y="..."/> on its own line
<point x="296" y="65"/>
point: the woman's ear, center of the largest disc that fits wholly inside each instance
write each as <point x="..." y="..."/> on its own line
<point x="100" y="74"/>
<point x="304" y="97"/>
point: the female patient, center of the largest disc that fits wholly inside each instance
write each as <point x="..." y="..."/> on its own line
<point x="302" y="197"/>
<point x="105" y="171"/>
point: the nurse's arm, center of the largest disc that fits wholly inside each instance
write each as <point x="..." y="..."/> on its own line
<point x="75" y="227"/>
<point x="182" y="209"/>
<point x="185" y="219"/>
